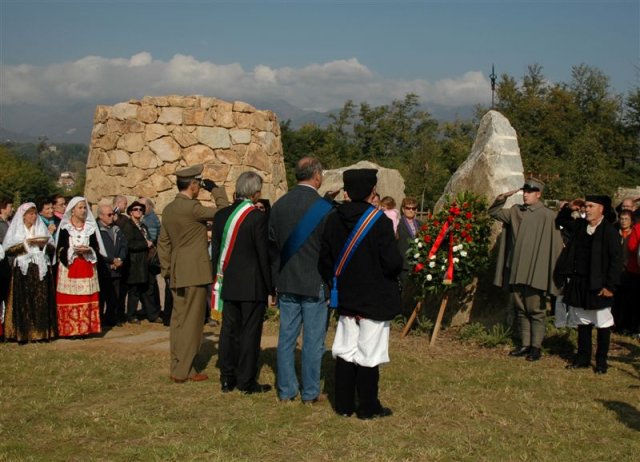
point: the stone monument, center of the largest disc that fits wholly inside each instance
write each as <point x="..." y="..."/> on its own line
<point x="137" y="146"/>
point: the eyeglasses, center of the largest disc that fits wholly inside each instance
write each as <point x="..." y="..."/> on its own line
<point x="411" y="208"/>
<point x="109" y="214"/>
<point x="136" y="209"/>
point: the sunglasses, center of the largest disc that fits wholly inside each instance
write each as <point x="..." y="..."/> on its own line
<point x="411" y="208"/>
<point x="136" y="209"/>
<point x="109" y="214"/>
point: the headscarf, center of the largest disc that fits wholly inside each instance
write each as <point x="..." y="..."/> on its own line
<point x="90" y="225"/>
<point x="19" y="234"/>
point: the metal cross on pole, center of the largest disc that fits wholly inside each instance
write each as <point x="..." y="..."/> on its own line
<point x="492" y="76"/>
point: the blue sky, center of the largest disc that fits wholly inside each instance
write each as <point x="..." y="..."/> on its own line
<point x="313" y="54"/>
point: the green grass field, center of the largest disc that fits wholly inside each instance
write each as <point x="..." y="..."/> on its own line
<point x="85" y="400"/>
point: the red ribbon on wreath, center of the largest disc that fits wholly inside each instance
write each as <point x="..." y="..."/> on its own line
<point x="453" y="211"/>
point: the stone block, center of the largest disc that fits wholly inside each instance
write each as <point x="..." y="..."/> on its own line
<point x="119" y="157"/>
<point x="123" y="111"/>
<point x="144" y="159"/>
<point x="198" y="154"/>
<point x="239" y="106"/>
<point x="214" y="137"/>
<point x="239" y="136"/>
<point x="133" y="178"/>
<point x="166" y="149"/>
<point x="194" y="116"/>
<point x="183" y="101"/>
<point x="107" y="142"/>
<point x="160" y="183"/>
<point x="131" y="142"/>
<point x="133" y="126"/>
<point x="155" y="131"/>
<point x="216" y="171"/>
<point x="170" y="115"/>
<point x="160" y="101"/>
<point x="257" y="157"/>
<point x="183" y="137"/>
<point x="98" y="130"/>
<point x="227" y="156"/>
<point x="147" y="114"/>
<point x="115" y="126"/>
<point x="101" y="114"/>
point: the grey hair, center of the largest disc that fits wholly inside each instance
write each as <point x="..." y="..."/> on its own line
<point x="247" y="184"/>
<point x="307" y="167"/>
<point x="118" y="199"/>
<point x="150" y="205"/>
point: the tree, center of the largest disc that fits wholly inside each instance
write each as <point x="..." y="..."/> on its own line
<point x="23" y="180"/>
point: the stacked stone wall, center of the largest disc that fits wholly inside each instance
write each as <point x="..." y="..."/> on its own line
<point x="137" y="146"/>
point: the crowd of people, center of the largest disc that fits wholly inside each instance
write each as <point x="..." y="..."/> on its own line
<point x="66" y="274"/>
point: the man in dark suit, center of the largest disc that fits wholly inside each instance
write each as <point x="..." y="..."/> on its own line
<point x="240" y="255"/>
<point x="184" y="258"/>
<point x="302" y="297"/>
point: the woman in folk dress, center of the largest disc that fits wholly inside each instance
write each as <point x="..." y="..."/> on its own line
<point x="77" y="245"/>
<point x="30" y="311"/>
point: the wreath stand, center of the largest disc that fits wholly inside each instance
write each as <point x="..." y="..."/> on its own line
<point x="436" y="328"/>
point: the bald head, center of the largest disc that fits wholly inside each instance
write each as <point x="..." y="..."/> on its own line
<point x="309" y="171"/>
<point x="628" y="204"/>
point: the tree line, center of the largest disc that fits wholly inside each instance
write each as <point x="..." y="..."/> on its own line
<point x="578" y="136"/>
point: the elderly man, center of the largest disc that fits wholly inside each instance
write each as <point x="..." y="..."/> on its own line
<point x="110" y="267"/>
<point x="295" y="227"/>
<point x="591" y="264"/>
<point x="529" y="247"/>
<point x="365" y="292"/>
<point x="240" y="254"/>
<point x="184" y="258"/>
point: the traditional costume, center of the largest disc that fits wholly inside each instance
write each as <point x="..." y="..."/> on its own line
<point x="78" y="288"/>
<point x="591" y="262"/>
<point x="30" y="312"/>
<point x="365" y="290"/>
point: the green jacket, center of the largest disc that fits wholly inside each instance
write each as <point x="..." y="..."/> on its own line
<point x="183" y="243"/>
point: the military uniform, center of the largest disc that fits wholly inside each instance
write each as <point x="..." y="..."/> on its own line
<point x="184" y="257"/>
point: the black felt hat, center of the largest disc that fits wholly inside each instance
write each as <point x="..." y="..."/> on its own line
<point x="136" y="204"/>
<point x="359" y="183"/>
<point x="601" y="199"/>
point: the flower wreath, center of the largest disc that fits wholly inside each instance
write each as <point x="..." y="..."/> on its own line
<point x="452" y="246"/>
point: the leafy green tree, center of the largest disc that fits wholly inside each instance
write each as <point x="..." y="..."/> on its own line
<point x="22" y="179"/>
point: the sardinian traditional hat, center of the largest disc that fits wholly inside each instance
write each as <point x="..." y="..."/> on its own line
<point x="193" y="172"/>
<point x="601" y="199"/>
<point x="533" y="184"/>
<point x="359" y="183"/>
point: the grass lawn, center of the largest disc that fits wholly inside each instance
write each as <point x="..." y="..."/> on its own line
<point x="88" y="400"/>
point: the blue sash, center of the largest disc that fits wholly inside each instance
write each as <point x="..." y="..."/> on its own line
<point x="360" y="230"/>
<point x="310" y="221"/>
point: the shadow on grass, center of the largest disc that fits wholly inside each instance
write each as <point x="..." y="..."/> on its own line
<point x="208" y="349"/>
<point x="268" y="358"/>
<point x="560" y="343"/>
<point x="627" y="414"/>
<point x="633" y="358"/>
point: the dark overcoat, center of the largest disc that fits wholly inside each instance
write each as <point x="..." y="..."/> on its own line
<point x="368" y="285"/>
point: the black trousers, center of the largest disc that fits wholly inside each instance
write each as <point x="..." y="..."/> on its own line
<point x="141" y="293"/>
<point x="239" y="345"/>
<point x="111" y="306"/>
<point x="352" y="378"/>
<point x="603" y="339"/>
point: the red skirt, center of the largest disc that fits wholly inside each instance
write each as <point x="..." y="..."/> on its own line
<point x="79" y="314"/>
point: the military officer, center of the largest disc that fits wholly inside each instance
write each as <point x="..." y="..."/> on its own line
<point x="184" y="258"/>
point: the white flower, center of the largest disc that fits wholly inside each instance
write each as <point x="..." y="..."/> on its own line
<point x="432" y="264"/>
<point x="457" y="248"/>
<point x="456" y="260"/>
<point x="416" y="240"/>
<point x="429" y="277"/>
<point x="433" y="257"/>
<point x="419" y="245"/>
<point x="442" y="267"/>
<point x="463" y="253"/>
<point x="445" y="259"/>
<point x="416" y="255"/>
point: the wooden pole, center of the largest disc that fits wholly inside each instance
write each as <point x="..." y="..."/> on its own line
<point x="436" y="328"/>
<point x="412" y="318"/>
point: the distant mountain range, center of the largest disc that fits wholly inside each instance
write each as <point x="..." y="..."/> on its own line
<point x="73" y="124"/>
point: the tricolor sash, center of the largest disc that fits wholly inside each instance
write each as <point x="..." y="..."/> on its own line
<point x="360" y="230"/>
<point x="229" y="236"/>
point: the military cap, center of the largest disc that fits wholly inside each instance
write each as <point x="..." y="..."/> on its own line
<point x="193" y="172"/>
<point x="359" y="183"/>
<point x="533" y="184"/>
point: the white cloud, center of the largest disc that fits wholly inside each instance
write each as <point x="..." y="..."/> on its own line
<point x="318" y="86"/>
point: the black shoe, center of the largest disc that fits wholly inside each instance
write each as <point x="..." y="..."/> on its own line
<point x="600" y="370"/>
<point x="345" y="414"/>
<point x="227" y="386"/>
<point x="156" y="321"/>
<point x="534" y="354"/>
<point x="522" y="351"/>
<point x="382" y="412"/>
<point x="255" y="388"/>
